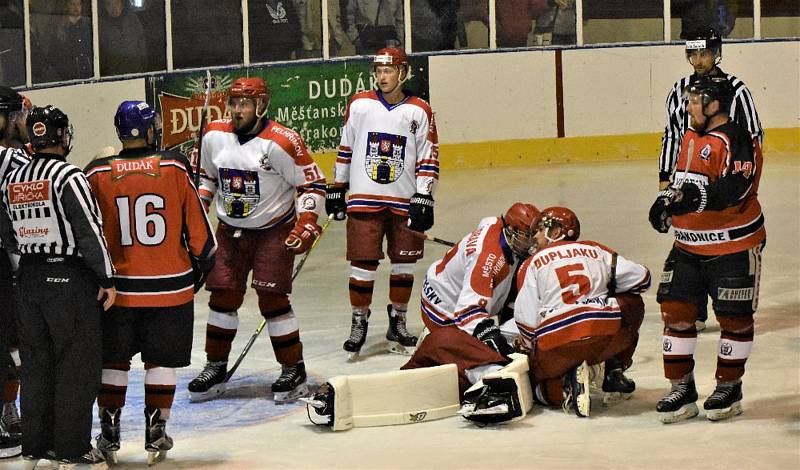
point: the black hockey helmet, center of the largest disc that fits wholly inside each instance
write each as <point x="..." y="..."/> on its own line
<point x="10" y="100"/>
<point x="705" y="39"/>
<point x="712" y="88"/>
<point x="49" y="127"/>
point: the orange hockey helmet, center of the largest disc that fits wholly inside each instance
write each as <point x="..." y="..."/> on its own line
<point x="564" y="218"/>
<point x="520" y="223"/>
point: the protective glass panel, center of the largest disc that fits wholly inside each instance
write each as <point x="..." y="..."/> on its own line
<point x="473" y="25"/>
<point x="730" y="18"/>
<point x="373" y="24"/>
<point x="61" y="40"/>
<point x="12" y="38"/>
<point x="780" y="18"/>
<point x="434" y="25"/>
<point x="610" y="21"/>
<point x="132" y="36"/>
<point x="284" y="30"/>
<point x="522" y="23"/>
<point x="206" y="32"/>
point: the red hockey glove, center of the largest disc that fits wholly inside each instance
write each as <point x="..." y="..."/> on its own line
<point x="305" y="231"/>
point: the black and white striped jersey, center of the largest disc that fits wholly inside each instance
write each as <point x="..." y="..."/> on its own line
<point x="743" y="111"/>
<point x="11" y="159"/>
<point x="48" y="208"/>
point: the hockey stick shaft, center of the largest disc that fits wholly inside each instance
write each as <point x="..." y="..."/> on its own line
<point x="263" y="323"/>
<point x="431" y="238"/>
<point x="208" y="85"/>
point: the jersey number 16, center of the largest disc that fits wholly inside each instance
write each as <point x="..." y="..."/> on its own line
<point x="150" y="227"/>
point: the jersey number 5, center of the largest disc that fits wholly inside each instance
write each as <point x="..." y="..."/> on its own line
<point x="150" y="227"/>
<point x="574" y="284"/>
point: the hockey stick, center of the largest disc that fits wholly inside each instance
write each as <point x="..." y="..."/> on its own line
<point x="431" y="238"/>
<point x="208" y="85"/>
<point x="264" y="321"/>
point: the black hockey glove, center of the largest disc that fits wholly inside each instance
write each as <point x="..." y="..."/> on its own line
<point x="490" y="334"/>
<point x="335" y="202"/>
<point x="659" y="215"/>
<point x="420" y="212"/>
<point x="690" y="198"/>
<point x="200" y="270"/>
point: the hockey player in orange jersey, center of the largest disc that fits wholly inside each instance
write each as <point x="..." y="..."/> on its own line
<point x="162" y="245"/>
<point x="712" y="206"/>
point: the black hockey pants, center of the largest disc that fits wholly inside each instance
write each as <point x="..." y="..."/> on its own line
<point x="61" y="349"/>
<point x="8" y="322"/>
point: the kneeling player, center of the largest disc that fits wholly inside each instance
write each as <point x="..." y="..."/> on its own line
<point x="162" y="246"/>
<point x="578" y="305"/>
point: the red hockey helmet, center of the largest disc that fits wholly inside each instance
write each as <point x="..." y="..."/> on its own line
<point x="254" y="88"/>
<point x="390" y="56"/>
<point x="520" y="223"/>
<point x="564" y="218"/>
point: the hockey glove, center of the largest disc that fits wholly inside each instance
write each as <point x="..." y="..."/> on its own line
<point x="305" y="231"/>
<point x="200" y="270"/>
<point x="420" y="212"/>
<point x="490" y="334"/>
<point x="690" y="198"/>
<point x="659" y="214"/>
<point x="335" y="203"/>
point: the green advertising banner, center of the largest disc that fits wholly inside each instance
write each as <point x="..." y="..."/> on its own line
<point x="310" y="98"/>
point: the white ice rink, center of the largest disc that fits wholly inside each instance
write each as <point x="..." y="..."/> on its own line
<point x="246" y="430"/>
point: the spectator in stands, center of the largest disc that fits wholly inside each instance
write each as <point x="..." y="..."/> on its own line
<point x="274" y="30"/>
<point x="12" y="37"/>
<point x="206" y="32"/>
<point x="310" y="14"/>
<point x="702" y="15"/>
<point x="434" y="24"/>
<point x="563" y="22"/>
<point x="122" y="42"/>
<point x="61" y="37"/>
<point x="375" y="24"/>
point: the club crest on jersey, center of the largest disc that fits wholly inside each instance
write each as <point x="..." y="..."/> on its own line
<point x="385" y="159"/>
<point x="122" y="167"/>
<point x="264" y="163"/>
<point x="705" y="152"/>
<point x="414" y="126"/>
<point x="240" y="191"/>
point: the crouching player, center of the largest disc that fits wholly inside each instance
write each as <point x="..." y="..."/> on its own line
<point x="579" y="304"/>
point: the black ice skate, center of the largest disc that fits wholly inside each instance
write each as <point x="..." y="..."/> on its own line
<point x="400" y="340"/>
<point x="496" y="402"/>
<point x="616" y="387"/>
<point x="291" y="384"/>
<point x="322" y="404"/>
<point x="725" y="402"/>
<point x="93" y="459"/>
<point x="10" y="446"/>
<point x="679" y="404"/>
<point x="108" y="439"/>
<point x="358" y="335"/>
<point x="10" y="421"/>
<point x="576" y="391"/>
<point x="210" y="383"/>
<point x="156" y="440"/>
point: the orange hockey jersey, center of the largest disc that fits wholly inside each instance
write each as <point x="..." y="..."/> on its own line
<point x="726" y="164"/>
<point x="153" y="218"/>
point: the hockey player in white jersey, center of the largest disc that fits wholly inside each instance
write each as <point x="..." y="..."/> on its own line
<point x="389" y="162"/>
<point x="578" y="305"/>
<point x="465" y="290"/>
<point x="254" y="168"/>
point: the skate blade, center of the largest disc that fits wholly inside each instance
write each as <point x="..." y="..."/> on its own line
<point x="685" y="412"/>
<point x="111" y="457"/>
<point x="212" y="393"/>
<point x="155" y="456"/>
<point x="397" y="348"/>
<point x="724" y="413"/>
<point x="9" y="452"/>
<point x="352" y="356"/>
<point x="292" y="395"/>
<point x="583" y="401"/>
<point x="611" y="398"/>
<point x="500" y="409"/>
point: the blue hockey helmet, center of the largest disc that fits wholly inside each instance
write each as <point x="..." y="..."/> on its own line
<point x="134" y="118"/>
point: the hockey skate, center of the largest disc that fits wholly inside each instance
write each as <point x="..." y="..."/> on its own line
<point x="48" y="462"/>
<point x="679" y="404"/>
<point x="108" y="439"/>
<point x="725" y="402"/>
<point x="10" y="446"/>
<point x="616" y="387"/>
<point x="291" y="384"/>
<point x="10" y="421"/>
<point x="576" y="391"/>
<point x="358" y="335"/>
<point x="322" y="404"/>
<point x="496" y="402"/>
<point x="210" y="383"/>
<point x="93" y="459"/>
<point x="400" y="340"/>
<point x="156" y="440"/>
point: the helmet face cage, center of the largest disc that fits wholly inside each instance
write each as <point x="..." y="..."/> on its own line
<point x="522" y="242"/>
<point x="519" y="228"/>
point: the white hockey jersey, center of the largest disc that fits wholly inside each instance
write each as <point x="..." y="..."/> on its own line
<point x="387" y="152"/>
<point x="255" y="181"/>
<point x="563" y="292"/>
<point x="473" y="279"/>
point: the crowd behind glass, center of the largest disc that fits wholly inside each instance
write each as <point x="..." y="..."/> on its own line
<point x="132" y="34"/>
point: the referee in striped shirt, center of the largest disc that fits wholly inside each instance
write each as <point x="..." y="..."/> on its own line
<point x="51" y="219"/>
<point x="704" y="53"/>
